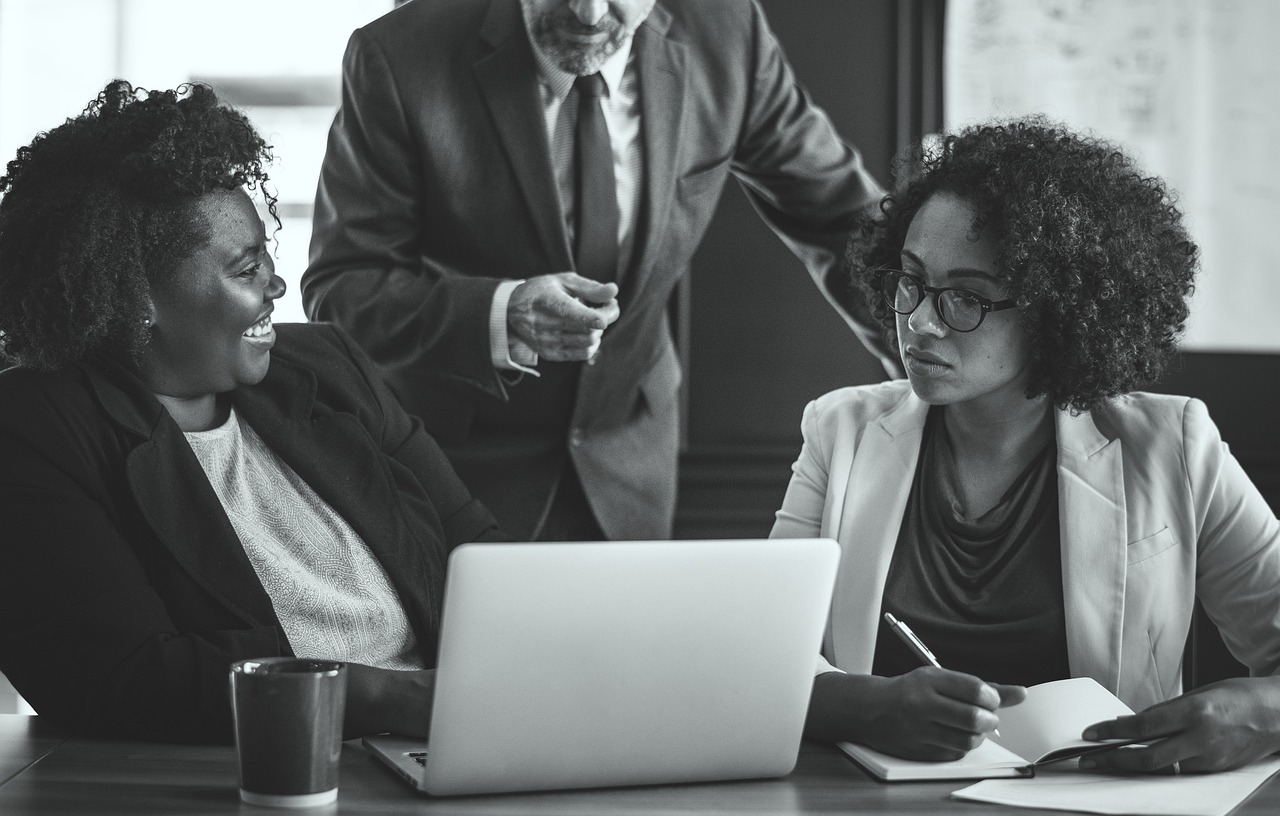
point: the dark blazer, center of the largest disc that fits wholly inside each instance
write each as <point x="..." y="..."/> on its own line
<point x="126" y="594"/>
<point x="437" y="184"/>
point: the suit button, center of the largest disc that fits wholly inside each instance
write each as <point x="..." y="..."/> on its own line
<point x="575" y="437"/>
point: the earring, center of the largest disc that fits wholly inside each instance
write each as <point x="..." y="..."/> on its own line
<point x="146" y="322"/>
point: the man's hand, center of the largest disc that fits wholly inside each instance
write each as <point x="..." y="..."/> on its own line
<point x="562" y="317"/>
<point x="1217" y="727"/>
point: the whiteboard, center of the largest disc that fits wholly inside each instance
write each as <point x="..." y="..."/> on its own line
<point x="1189" y="88"/>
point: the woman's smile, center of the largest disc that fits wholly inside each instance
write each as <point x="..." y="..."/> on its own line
<point x="212" y="330"/>
<point x="261" y="333"/>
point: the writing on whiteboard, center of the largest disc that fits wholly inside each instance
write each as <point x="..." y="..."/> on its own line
<point x="1190" y="89"/>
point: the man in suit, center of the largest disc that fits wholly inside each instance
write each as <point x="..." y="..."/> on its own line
<point x="462" y="237"/>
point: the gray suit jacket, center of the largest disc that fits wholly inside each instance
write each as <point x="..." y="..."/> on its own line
<point x="437" y="185"/>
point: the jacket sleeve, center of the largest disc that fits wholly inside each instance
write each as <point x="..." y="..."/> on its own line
<point x="368" y="269"/>
<point x="86" y="638"/>
<point x="806" y="183"/>
<point x="1238" y="546"/>
<point x="801" y="513"/>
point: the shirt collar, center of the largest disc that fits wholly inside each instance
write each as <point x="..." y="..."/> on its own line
<point x="559" y="82"/>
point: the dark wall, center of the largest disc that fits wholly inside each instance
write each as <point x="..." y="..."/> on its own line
<point x="762" y="339"/>
<point x="1242" y="392"/>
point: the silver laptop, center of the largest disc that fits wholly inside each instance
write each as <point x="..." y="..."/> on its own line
<point x="576" y="665"/>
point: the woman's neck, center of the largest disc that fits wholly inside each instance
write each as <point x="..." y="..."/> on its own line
<point x="1014" y="432"/>
<point x="989" y="449"/>
<point x="200" y="413"/>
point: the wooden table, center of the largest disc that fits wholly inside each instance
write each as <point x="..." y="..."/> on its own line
<point x="24" y="740"/>
<point x="44" y="774"/>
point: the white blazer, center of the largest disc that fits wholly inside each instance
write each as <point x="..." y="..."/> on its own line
<point x="1154" y="511"/>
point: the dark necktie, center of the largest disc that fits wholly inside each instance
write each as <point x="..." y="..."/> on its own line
<point x="596" y="210"/>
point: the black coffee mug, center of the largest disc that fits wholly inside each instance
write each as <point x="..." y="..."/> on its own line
<point x="288" y="722"/>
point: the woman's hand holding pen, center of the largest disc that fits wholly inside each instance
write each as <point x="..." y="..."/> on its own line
<point x="1216" y="727"/>
<point x="937" y="714"/>
<point x="930" y="714"/>
<point x="927" y="714"/>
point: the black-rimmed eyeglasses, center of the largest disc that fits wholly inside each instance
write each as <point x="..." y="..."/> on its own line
<point x="960" y="309"/>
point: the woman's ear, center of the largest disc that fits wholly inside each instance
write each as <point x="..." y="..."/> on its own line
<point x="149" y="317"/>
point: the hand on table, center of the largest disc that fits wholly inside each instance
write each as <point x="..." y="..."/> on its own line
<point x="562" y="317"/>
<point x="1217" y="727"/>
<point x="384" y="700"/>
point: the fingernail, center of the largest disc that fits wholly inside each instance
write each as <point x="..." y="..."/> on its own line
<point x="1089" y="734"/>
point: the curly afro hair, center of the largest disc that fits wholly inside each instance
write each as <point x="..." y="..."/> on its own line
<point x="1093" y="251"/>
<point x="99" y="209"/>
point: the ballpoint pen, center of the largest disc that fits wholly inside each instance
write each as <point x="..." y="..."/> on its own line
<point x="916" y="645"/>
<point x="913" y="643"/>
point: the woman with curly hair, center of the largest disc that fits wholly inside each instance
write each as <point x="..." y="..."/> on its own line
<point x="1015" y="499"/>
<point x="182" y="483"/>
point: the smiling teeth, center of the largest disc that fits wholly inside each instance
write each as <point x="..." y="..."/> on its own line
<point x="260" y="328"/>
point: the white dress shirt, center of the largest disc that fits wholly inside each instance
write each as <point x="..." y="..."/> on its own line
<point x="621" y="109"/>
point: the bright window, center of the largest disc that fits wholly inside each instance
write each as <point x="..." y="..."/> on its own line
<point x="277" y="60"/>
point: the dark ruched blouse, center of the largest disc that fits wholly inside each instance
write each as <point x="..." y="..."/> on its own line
<point x="984" y="594"/>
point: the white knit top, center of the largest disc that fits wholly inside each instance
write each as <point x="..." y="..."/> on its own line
<point x="333" y="598"/>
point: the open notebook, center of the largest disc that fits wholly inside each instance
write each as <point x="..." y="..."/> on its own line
<point x="1044" y="728"/>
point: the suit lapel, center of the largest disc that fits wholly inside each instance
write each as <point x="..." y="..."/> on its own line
<point x="661" y="63"/>
<point x="185" y="513"/>
<point x="1093" y="523"/>
<point x="332" y="453"/>
<point x="508" y="78"/>
<point x="176" y="499"/>
<point x="880" y="478"/>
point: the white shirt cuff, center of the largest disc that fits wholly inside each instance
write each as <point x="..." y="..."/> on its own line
<point x="508" y="353"/>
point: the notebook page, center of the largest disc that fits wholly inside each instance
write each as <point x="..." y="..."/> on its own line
<point x="1066" y="789"/>
<point x="1054" y="714"/>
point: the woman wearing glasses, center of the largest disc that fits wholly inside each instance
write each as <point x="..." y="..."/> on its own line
<point x="1015" y="500"/>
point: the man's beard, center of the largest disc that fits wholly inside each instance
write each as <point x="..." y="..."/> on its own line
<point x="572" y="57"/>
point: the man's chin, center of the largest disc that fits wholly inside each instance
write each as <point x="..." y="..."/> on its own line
<point x="578" y="57"/>
<point x="582" y="61"/>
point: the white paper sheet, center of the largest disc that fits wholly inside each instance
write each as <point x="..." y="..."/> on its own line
<point x="1069" y="789"/>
